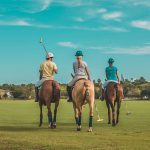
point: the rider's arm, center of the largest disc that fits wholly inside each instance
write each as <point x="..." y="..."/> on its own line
<point x="118" y="77"/>
<point x="88" y="74"/>
<point x="106" y="75"/>
<point x="55" y="69"/>
<point x="41" y="74"/>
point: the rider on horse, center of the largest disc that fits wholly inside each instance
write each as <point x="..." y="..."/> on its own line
<point x="81" y="72"/>
<point x="47" y="69"/>
<point x="111" y="76"/>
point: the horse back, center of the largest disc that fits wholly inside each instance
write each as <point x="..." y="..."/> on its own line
<point x="83" y="90"/>
<point x="114" y="92"/>
<point x="50" y="92"/>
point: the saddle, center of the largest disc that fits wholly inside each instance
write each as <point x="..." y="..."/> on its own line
<point x="77" y="81"/>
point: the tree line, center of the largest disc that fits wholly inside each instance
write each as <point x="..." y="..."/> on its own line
<point x="133" y="89"/>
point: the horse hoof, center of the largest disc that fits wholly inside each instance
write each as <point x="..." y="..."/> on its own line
<point x="54" y="126"/>
<point x="78" y="129"/>
<point x="113" y="124"/>
<point x="51" y="127"/>
<point x="109" y="122"/>
<point x="40" y="125"/>
<point x="90" y="129"/>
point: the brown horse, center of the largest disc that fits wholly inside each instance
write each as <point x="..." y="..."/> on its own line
<point x="113" y="95"/>
<point x="49" y="93"/>
<point x="83" y="92"/>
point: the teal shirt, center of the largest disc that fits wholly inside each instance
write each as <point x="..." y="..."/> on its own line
<point x="111" y="73"/>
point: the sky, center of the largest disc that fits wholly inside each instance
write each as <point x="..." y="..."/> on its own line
<point x="100" y="28"/>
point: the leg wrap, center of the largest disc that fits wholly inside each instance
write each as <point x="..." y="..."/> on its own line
<point x="50" y="118"/>
<point x="90" y="121"/>
<point x="79" y="120"/>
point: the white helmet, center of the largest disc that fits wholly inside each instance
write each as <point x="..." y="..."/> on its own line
<point x="49" y="55"/>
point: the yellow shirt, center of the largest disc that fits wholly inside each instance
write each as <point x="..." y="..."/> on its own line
<point x="47" y="68"/>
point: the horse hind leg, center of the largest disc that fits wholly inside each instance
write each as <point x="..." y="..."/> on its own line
<point x="113" y="114"/>
<point x="109" y="117"/>
<point x="55" y="114"/>
<point x="41" y="115"/>
<point x="50" y="120"/>
<point x="118" y="111"/>
<point x="91" y="107"/>
<point x="75" y="113"/>
<point x="79" y="118"/>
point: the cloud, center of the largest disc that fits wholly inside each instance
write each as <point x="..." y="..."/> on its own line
<point x="112" y="16"/>
<point x="115" y="29"/>
<point x="145" y="3"/>
<point x="145" y="50"/>
<point x="79" y="19"/>
<point x="74" y="3"/>
<point x="143" y="24"/>
<point x="96" y="12"/>
<point x="68" y="44"/>
<point x="31" y="23"/>
<point x="22" y="22"/>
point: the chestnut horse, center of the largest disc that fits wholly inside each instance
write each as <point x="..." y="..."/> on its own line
<point x="83" y="92"/>
<point x="49" y="93"/>
<point x="113" y="95"/>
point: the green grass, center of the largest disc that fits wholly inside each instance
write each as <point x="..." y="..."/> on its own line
<point x="19" y="128"/>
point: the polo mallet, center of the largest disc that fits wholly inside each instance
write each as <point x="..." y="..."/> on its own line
<point x="98" y="116"/>
<point x="42" y="43"/>
<point x="127" y="110"/>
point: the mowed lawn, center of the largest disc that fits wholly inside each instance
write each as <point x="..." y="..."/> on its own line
<point x="19" y="128"/>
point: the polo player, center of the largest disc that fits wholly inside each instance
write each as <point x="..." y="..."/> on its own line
<point x="80" y="69"/>
<point x="47" y="70"/>
<point x="112" y="75"/>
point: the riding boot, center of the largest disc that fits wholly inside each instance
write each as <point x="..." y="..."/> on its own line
<point x="36" y="94"/>
<point x="69" y="90"/>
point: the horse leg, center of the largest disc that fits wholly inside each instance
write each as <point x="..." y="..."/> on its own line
<point x="79" y="118"/>
<point x="55" y="114"/>
<point x="113" y="114"/>
<point x="118" y="111"/>
<point x="50" y="116"/>
<point x="41" y="115"/>
<point x="75" y="113"/>
<point x="91" y="106"/>
<point x="109" y="117"/>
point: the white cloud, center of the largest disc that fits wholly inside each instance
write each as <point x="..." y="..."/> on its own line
<point x="79" y="19"/>
<point x="145" y="3"/>
<point x="96" y="12"/>
<point x="73" y="3"/>
<point x="102" y="10"/>
<point x="143" y="24"/>
<point x="29" y="23"/>
<point x="22" y="22"/>
<point x="115" y="29"/>
<point x="145" y="50"/>
<point x="112" y="16"/>
<point x="18" y="22"/>
<point x="68" y="44"/>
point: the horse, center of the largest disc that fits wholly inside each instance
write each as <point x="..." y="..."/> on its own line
<point x="82" y="93"/>
<point x="49" y="93"/>
<point x="113" y="95"/>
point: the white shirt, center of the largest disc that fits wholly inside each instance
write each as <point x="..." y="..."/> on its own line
<point x="80" y="71"/>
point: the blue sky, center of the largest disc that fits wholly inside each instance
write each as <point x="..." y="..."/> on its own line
<point x="101" y="28"/>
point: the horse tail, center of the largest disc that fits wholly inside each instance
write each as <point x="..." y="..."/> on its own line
<point x="87" y="91"/>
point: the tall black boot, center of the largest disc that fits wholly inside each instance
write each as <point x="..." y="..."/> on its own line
<point x="69" y="90"/>
<point x="36" y="94"/>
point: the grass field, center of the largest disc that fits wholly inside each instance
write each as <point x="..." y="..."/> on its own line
<point x="19" y="128"/>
